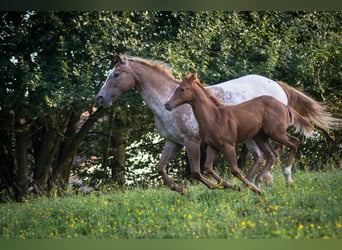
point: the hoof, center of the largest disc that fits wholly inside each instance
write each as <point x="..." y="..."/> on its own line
<point x="291" y="184"/>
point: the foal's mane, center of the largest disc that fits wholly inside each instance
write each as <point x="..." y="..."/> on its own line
<point x="160" y="66"/>
<point x="209" y="93"/>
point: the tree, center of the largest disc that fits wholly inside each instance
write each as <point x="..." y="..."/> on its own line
<point x="48" y="75"/>
<point x="53" y="64"/>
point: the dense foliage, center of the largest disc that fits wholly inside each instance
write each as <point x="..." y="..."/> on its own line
<point x="53" y="64"/>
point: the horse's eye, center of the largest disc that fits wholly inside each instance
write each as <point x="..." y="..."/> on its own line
<point x="116" y="75"/>
<point x="181" y="89"/>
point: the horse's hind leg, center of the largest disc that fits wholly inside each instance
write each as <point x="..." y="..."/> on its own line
<point x="271" y="156"/>
<point x="211" y="156"/>
<point x="268" y="177"/>
<point x="258" y="158"/>
<point x="292" y="143"/>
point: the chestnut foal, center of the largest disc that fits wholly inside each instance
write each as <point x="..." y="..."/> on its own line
<point x="221" y="127"/>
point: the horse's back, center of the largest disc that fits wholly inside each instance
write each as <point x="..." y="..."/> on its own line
<point x="247" y="87"/>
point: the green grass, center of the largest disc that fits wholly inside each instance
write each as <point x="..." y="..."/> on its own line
<point x="311" y="210"/>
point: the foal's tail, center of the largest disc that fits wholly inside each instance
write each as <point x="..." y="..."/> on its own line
<point x="301" y="123"/>
<point x="311" y="109"/>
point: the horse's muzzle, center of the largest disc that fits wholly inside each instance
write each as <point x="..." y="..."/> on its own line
<point x="168" y="107"/>
<point x="100" y="100"/>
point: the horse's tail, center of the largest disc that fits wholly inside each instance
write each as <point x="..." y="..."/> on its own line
<point x="301" y="123"/>
<point x="313" y="110"/>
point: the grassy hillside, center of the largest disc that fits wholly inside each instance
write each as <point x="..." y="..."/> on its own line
<point x="311" y="210"/>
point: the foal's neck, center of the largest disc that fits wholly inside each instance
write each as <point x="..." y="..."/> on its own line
<point x="204" y="107"/>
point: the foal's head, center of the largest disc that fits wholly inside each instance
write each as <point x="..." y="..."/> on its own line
<point x="183" y="93"/>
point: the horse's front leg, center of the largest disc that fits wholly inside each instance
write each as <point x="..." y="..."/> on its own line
<point x="211" y="156"/>
<point x="230" y="155"/>
<point x="193" y="151"/>
<point x="170" y="151"/>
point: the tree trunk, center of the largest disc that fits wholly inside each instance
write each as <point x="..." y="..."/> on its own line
<point x="6" y="155"/>
<point x="108" y="131"/>
<point x="22" y="141"/>
<point x="43" y="154"/>
<point x="69" y="148"/>
<point x="119" y="146"/>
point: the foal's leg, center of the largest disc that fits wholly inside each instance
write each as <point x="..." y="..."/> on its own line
<point x="230" y="154"/>
<point x="169" y="152"/>
<point x="211" y="156"/>
<point x="292" y="143"/>
<point x="193" y="150"/>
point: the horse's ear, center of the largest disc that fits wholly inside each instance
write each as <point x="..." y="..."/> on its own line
<point x="121" y="58"/>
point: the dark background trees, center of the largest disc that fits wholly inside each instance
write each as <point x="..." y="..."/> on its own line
<point x="53" y="64"/>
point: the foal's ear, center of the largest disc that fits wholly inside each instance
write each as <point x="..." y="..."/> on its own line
<point x="194" y="76"/>
<point x="121" y="58"/>
<point x="188" y="76"/>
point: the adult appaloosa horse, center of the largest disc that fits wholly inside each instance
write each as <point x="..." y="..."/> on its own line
<point x="222" y="127"/>
<point x="155" y="82"/>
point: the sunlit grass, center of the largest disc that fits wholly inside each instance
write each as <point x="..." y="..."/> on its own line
<point x="311" y="210"/>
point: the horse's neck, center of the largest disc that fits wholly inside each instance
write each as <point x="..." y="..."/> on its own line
<point x="154" y="87"/>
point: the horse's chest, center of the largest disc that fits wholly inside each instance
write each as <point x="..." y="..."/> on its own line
<point x="176" y="129"/>
<point x="168" y="131"/>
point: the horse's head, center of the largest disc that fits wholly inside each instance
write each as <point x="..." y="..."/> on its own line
<point x="183" y="93"/>
<point x="120" y="80"/>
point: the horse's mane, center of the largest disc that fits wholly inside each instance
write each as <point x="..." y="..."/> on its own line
<point x="160" y="66"/>
<point x="209" y="93"/>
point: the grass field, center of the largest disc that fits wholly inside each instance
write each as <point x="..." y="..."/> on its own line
<point x="311" y="210"/>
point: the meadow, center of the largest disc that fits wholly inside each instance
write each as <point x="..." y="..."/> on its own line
<point x="310" y="210"/>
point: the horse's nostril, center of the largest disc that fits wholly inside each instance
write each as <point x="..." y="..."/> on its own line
<point x="167" y="106"/>
<point x="99" y="99"/>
